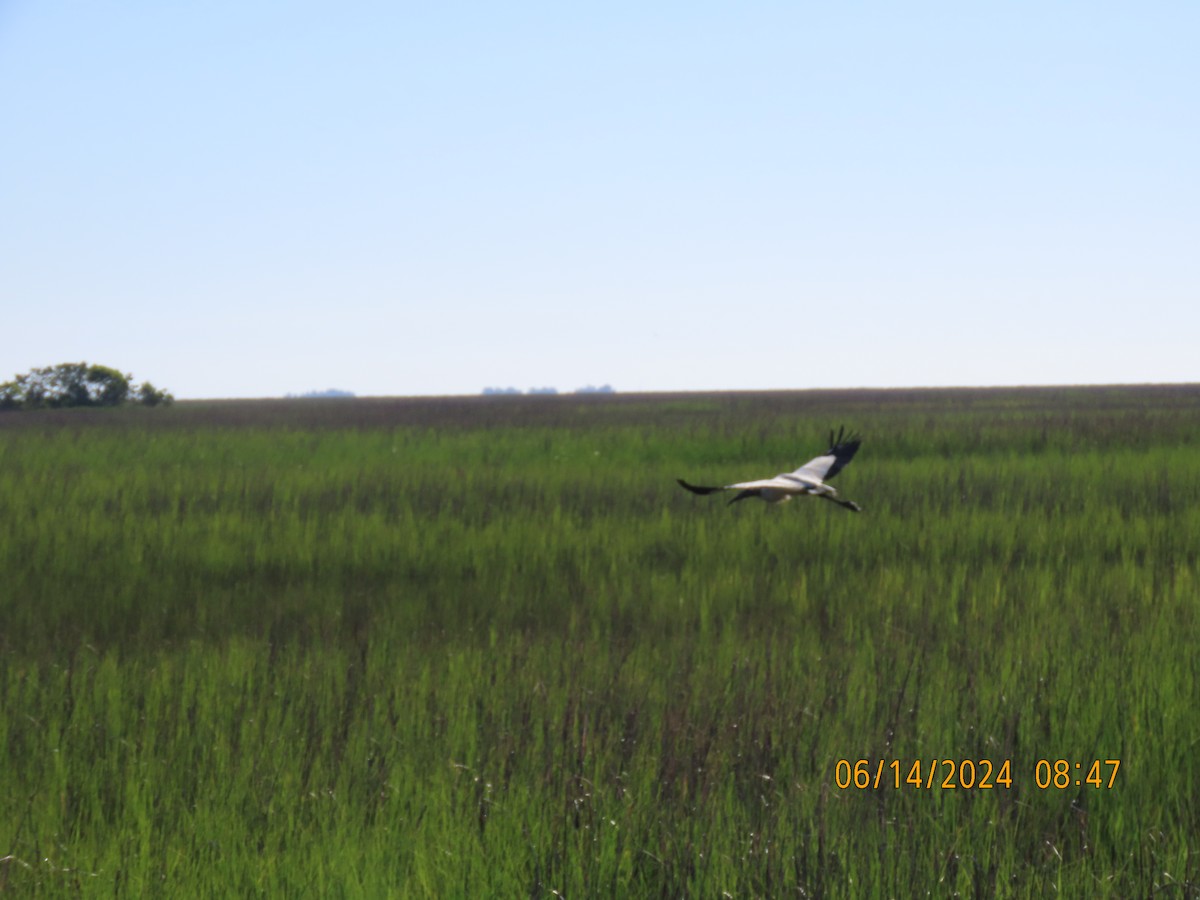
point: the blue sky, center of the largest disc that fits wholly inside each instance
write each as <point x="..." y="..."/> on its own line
<point x="254" y="198"/>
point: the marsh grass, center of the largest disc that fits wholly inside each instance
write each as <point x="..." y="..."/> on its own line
<point x="486" y="647"/>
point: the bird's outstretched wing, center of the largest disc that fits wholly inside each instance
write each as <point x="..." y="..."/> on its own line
<point x="841" y="450"/>
<point x="696" y="489"/>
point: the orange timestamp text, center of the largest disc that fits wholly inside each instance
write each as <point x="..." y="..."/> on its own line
<point x="971" y="774"/>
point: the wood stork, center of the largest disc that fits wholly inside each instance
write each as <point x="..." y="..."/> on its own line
<point x="808" y="480"/>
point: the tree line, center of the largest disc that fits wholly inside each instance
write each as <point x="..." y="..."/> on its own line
<point x="78" y="384"/>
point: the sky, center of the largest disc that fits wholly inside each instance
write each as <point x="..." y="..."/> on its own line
<point x="256" y="198"/>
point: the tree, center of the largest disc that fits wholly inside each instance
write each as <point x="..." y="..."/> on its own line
<point x="76" y="384"/>
<point x="149" y="395"/>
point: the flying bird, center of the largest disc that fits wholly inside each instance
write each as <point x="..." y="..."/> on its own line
<point x="810" y="479"/>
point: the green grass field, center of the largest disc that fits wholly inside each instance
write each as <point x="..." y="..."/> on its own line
<point x="487" y="647"/>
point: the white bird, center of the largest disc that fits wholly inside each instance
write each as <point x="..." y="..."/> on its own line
<point x="808" y="480"/>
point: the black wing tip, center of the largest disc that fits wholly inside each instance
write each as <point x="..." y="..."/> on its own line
<point x="840" y="441"/>
<point x="696" y="489"/>
<point x="842" y="447"/>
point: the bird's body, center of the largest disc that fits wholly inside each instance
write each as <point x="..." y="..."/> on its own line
<point x="809" y="480"/>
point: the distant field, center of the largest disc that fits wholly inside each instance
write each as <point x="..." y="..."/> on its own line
<point x="481" y="646"/>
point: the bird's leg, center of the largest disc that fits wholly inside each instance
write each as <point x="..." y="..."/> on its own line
<point x="849" y="504"/>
